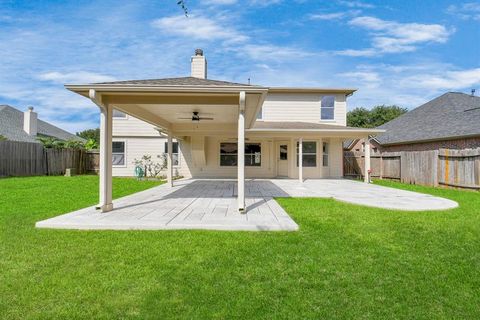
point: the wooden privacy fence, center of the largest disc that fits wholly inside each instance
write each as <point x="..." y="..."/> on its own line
<point x="31" y="159"/>
<point x="456" y="168"/>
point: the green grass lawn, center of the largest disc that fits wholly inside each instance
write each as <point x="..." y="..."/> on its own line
<point x="346" y="261"/>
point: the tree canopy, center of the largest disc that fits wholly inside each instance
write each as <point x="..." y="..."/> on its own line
<point x="90" y="134"/>
<point x="378" y="115"/>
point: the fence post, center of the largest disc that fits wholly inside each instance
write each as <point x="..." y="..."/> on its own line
<point x="381" y="166"/>
<point x="435" y="168"/>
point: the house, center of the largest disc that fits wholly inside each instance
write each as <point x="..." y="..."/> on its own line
<point x="16" y="125"/>
<point x="450" y="121"/>
<point x="221" y="129"/>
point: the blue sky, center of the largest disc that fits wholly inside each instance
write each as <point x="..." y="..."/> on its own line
<point x="394" y="52"/>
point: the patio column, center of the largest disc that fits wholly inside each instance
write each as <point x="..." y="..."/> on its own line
<point x="241" y="153"/>
<point x="169" y="160"/>
<point x="367" y="160"/>
<point x="300" y="159"/>
<point x="105" y="204"/>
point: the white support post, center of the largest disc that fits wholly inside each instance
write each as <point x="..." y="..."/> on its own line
<point x="367" y="160"/>
<point x="105" y="204"/>
<point x="169" y="160"/>
<point x="300" y="159"/>
<point x="241" y="153"/>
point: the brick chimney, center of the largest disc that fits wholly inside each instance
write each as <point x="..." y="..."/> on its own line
<point x="199" y="65"/>
<point x="30" y="122"/>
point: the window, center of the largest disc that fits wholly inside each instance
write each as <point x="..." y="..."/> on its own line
<point x="229" y="154"/>
<point x="175" y="157"/>
<point x="253" y="154"/>
<point x="283" y="152"/>
<point x="260" y="114"/>
<point x="325" y="154"/>
<point x="309" y="151"/>
<point x="327" y="108"/>
<point x="119" y="114"/>
<point x="118" y="153"/>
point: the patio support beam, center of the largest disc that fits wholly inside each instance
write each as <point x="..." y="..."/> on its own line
<point x="105" y="190"/>
<point x="367" y="160"/>
<point x="241" y="153"/>
<point x="300" y="159"/>
<point x="169" y="160"/>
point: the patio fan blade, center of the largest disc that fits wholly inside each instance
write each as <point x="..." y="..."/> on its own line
<point x="205" y="118"/>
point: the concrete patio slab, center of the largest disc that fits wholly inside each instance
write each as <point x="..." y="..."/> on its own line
<point x="212" y="205"/>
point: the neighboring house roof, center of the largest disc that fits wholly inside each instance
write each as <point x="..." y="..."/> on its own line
<point x="348" y="144"/>
<point x="11" y="127"/>
<point x="182" y="81"/>
<point x="452" y="115"/>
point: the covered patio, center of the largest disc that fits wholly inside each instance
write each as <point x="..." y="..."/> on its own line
<point x="212" y="204"/>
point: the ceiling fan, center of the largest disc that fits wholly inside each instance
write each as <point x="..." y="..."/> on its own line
<point x="195" y="117"/>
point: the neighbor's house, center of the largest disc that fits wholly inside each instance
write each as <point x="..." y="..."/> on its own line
<point x="450" y="121"/>
<point x="16" y="125"/>
<point x="220" y="129"/>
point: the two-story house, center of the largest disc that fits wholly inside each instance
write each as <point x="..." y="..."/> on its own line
<point x="219" y="129"/>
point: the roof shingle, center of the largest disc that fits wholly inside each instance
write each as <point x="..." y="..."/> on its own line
<point x="183" y="81"/>
<point x="451" y="115"/>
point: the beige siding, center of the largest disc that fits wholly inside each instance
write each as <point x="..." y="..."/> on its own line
<point x="133" y="127"/>
<point x="301" y="107"/>
<point x="135" y="148"/>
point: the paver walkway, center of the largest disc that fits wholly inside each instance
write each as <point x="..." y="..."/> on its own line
<point x="212" y="204"/>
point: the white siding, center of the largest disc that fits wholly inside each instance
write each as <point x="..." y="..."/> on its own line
<point x="302" y="107"/>
<point x="133" y="127"/>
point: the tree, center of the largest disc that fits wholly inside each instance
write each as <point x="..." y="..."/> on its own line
<point x="2" y="138"/>
<point x="378" y="115"/>
<point x="90" y="134"/>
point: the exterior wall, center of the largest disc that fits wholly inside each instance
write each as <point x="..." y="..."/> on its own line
<point x="302" y="108"/>
<point x="468" y="143"/>
<point x="132" y="127"/>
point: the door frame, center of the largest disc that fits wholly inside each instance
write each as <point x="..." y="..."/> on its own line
<point x="277" y="157"/>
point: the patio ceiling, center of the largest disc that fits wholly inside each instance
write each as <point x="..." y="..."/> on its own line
<point x="163" y="106"/>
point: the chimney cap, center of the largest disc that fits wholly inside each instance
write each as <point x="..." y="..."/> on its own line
<point x="198" y="52"/>
<point x="473" y="92"/>
<point x="30" y="108"/>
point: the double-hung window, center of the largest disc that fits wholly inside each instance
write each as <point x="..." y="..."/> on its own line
<point x="327" y="108"/>
<point x="309" y="153"/>
<point x="325" y="154"/>
<point x="175" y="157"/>
<point x="118" y="153"/>
<point x="229" y="154"/>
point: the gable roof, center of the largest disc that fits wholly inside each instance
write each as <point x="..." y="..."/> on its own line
<point x="182" y="81"/>
<point x="452" y="115"/>
<point x="11" y="127"/>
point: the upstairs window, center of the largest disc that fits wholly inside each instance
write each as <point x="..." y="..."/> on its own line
<point x="260" y="114"/>
<point x="174" y="152"/>
<point x="327" y="109"/>
<point x="119" y="114"/>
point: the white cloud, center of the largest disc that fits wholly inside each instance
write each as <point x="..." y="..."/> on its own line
<point x="395" y="37"/>
<point x="465" y="11"/>
<point x="449" y="80"/>
<point x="75" y="77"/>
<point x="264" y="3"/>
<point x="356" y="4"/>
<point x="199" y="27"/>
<point x="267" y="52"/>
<point x="328" y="16"/>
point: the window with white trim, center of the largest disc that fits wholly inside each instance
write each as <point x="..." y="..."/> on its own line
<point x="119" y="114"/>
<point x="229" y="154"/>
<point x="327" y="108"/>
<point x="325" y="154"/>
<point x="175" y="157"/>
<point x="260" y="114"/>
<point x="118" y="153"/>
<point x="309" y="153"/>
